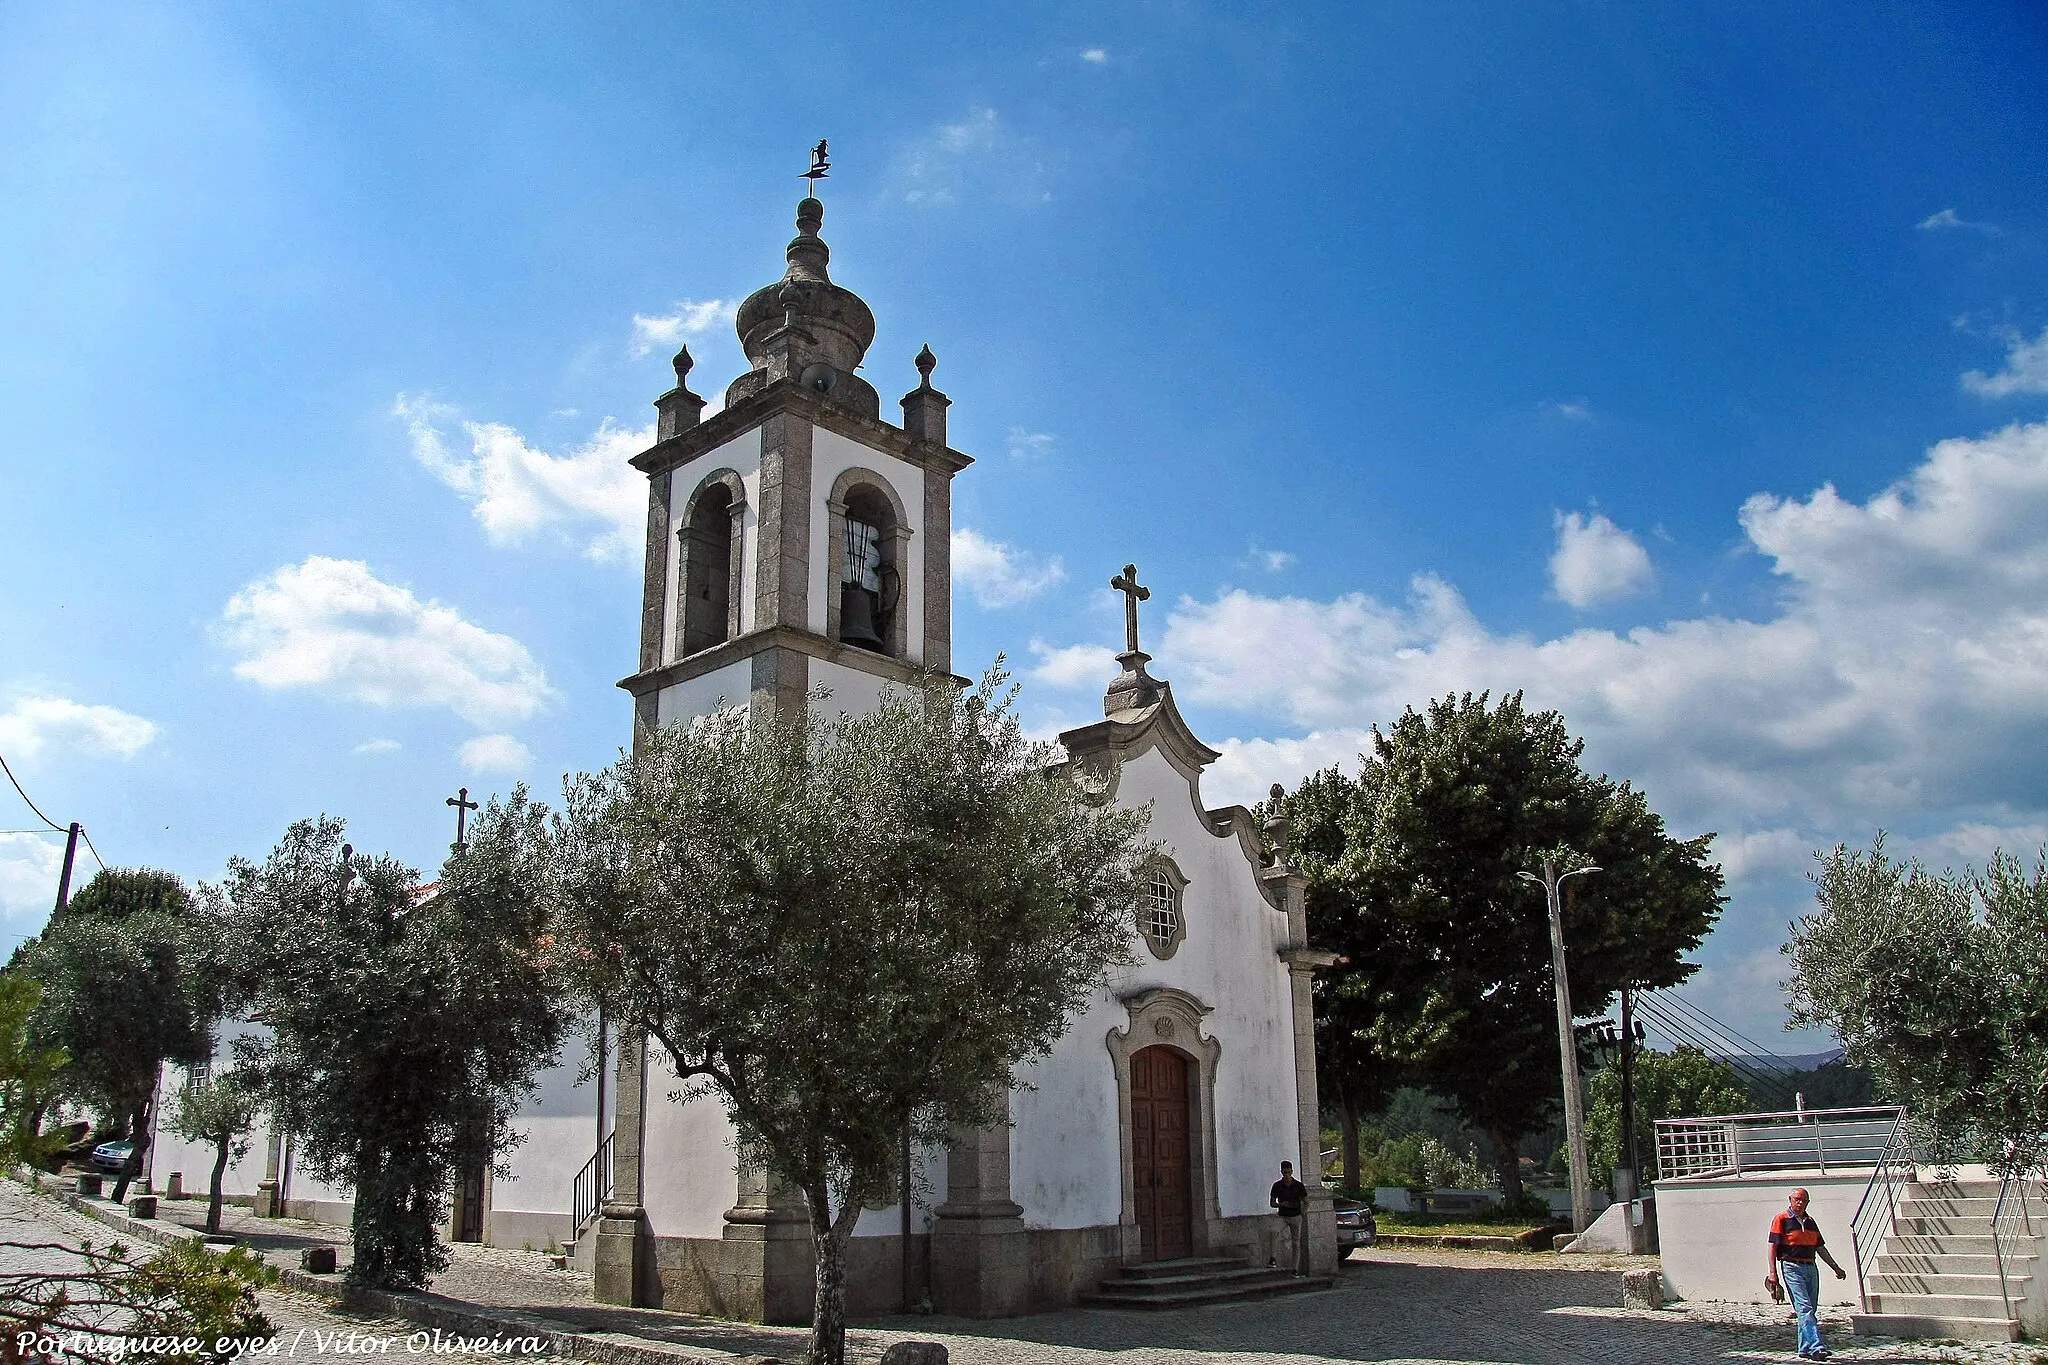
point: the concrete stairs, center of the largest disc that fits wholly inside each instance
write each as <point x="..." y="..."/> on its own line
<point x="1194" y="1281"/>
<point x="1936" y="1273"/>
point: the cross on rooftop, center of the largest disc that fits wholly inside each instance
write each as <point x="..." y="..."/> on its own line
<point x="1127" y="584"/>
<point x="463" y="806"/>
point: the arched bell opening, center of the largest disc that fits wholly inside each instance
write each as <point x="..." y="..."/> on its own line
<point x="708" y="612"/>
<point x="867" y="607"/>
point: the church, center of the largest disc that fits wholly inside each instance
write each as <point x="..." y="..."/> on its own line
<point x="799" y="539"/>
<point x="795" y="540"/>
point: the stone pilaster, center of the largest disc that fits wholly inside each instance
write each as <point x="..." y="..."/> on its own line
<point x="624" y="1263"/>
<point x="654" y="588"/>
<point x="938" y="570"/>
<point x="783" y="524"/>
<point x="981" y="1264"/>
<point x="767" y="1262"/>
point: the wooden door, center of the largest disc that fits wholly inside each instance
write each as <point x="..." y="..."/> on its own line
<point x="1162" y="1181"/>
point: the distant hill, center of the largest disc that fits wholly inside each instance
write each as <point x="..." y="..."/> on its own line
<point x="1804" y="1061"/>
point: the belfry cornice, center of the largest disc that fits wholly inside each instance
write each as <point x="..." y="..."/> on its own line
<point x="786" y="395"/>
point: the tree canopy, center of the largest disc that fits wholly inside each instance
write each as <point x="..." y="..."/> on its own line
<point x="122" y="994"/>
<point x="1938" y="983"/>
<point x="1448" y="957"/>
<point x="843" y="925"/>
<point x="405" y="1024"/>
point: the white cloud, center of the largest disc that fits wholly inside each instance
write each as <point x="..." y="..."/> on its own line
<point x="1903" y="679"/>
<point x="1074" y="665"/>
<point x="517" y="492"/>
<point x="1026" y="445"/>
<point x="333" y="626"/>
<point x="29" y="867"/>
<point x="34" y="724"/>
<point x="1573" y="410"/>
<point x="691" y="318"/>
<point x="1095" y="56"/>
<point x="378" y="746"/>
<point x="1596" y="561"/>
<point x="999" y="575"/>
<point x="494" y="754"/>
<point x="978" y="153"/>
<point x="2026" y="368"/>
<point x="1948" y="218"/>
<point x="1272" y="561"/>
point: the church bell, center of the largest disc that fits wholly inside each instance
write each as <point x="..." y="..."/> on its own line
<point x="857" y="617"/>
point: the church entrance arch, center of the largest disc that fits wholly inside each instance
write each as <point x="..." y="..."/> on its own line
<point x="1162" y="1165"/>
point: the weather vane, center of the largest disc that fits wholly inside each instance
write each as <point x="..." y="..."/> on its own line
<point x="821" y="164"/>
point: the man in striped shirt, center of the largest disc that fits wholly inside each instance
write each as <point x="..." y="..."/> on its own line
<point x="1795" y="1242"/>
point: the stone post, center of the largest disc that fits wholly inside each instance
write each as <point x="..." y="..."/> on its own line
<point x="768" y="1261"/>
<point x="980" y="1252"/>
<point x="1290" y="888"/>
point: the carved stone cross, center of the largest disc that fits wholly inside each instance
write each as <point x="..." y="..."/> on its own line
<point x="1127" y="584"/>
<point x="463" y="806"/>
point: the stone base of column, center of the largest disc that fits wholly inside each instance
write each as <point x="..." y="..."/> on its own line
<point x="981" y="1261"/>
<point x="623" y="1268"/>
<point x="767" y="1265"/>
<point x="266" y="1200"/>
<point x="1319" y="1219"/>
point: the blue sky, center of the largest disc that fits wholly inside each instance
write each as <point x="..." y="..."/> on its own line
<point x="1688" y="370"/>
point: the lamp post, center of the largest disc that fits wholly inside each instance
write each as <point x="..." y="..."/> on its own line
<point x="1574" y="1102"/>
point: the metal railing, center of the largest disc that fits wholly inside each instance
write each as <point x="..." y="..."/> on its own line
<point x="1877" y="1212"/>
<point x="1729" y="1144"/>
<point x="593" y="1186"/>
<point x="2010" y="1223"/>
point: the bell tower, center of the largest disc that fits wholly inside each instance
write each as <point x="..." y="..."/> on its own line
<point x="796" y="538"/>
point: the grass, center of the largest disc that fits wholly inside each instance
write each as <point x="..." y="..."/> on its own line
<point x="1459" y="1224"/>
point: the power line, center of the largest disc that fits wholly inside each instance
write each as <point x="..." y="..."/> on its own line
<point x="1676" y="1027"/>
<point x="24" y="796"/>
<point x="95" y="852"/>
<point x="1755" y="1048"/>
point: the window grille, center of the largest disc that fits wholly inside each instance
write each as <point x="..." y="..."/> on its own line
<point x="1162" y="912"/>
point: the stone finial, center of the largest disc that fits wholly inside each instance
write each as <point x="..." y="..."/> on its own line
<point x="810" y="216"/>
<point x="678" y="410"/>
<point x="1278" y="792"/>
<point x="1278" y="827"/>
<point x="926" y="362"/>
<point x="683" y="364"/>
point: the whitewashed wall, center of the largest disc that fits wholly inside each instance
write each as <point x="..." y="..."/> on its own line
<point x="1712" y="1232"/>
<point x="1065" y="1145"/>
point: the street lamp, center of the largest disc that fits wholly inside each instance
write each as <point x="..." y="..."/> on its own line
<point x="1574" y="1102"/>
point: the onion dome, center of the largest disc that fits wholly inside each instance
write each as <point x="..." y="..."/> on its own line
<point x="806" y="327"/>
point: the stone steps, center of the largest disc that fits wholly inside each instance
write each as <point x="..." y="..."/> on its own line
<point x="1926" y="1327"/>
<point x="1195" y="1281"/>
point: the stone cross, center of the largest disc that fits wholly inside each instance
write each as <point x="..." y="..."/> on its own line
<point x="463" y="806"/>
<point x="1127" y="584"/>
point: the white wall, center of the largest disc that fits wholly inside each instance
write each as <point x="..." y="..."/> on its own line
<point x="1065" y="1146"/>
<point x="558" y="1128"/>
<point x="732" y="685"/>
<point x="689" y="1160"/>
<point x="742" y="455"/>
<point x="831" y="456"/>
<point x="1712" y="1231"/>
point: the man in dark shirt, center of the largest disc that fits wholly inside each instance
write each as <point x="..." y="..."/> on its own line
<point x="1795" y="1241"/>
<point x="1288" y="1197"/>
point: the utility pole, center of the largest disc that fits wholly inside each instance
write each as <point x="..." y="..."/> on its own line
<point x="64" y="877"/>
<point x="1567" y="1046"/>
<point x="1625" y="1173"/>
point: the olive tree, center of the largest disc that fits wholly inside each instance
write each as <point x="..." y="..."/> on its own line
<point x="843" y="925"/>
<point x="220" y="1113"/>
<point x="405" y="1023"/>
<point x="1938" y="983"/>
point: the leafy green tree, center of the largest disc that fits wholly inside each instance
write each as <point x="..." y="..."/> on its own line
<point x="843" y="927"/>
<point x="1454" y="954"/>
<point x="121" y="995"/>
<point x="405" y="1027"/>
<point x="1356" y="1069"/>
<point x="1938" y="983"/>
<point x="1682" y="1084"/>
<point x="220" y="1112"/>
<point x="28" y="1071"/>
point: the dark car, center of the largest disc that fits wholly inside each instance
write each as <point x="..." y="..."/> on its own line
<point x="112" y="1156"/>
<point x="1356" y="1227"/>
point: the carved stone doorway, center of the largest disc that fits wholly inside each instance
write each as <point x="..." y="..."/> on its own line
<point x="1161" y="1168"/>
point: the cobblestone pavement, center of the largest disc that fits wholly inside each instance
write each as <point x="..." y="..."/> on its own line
<point x="1406" y="1307"/>
<point x="307" y="1327"/>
